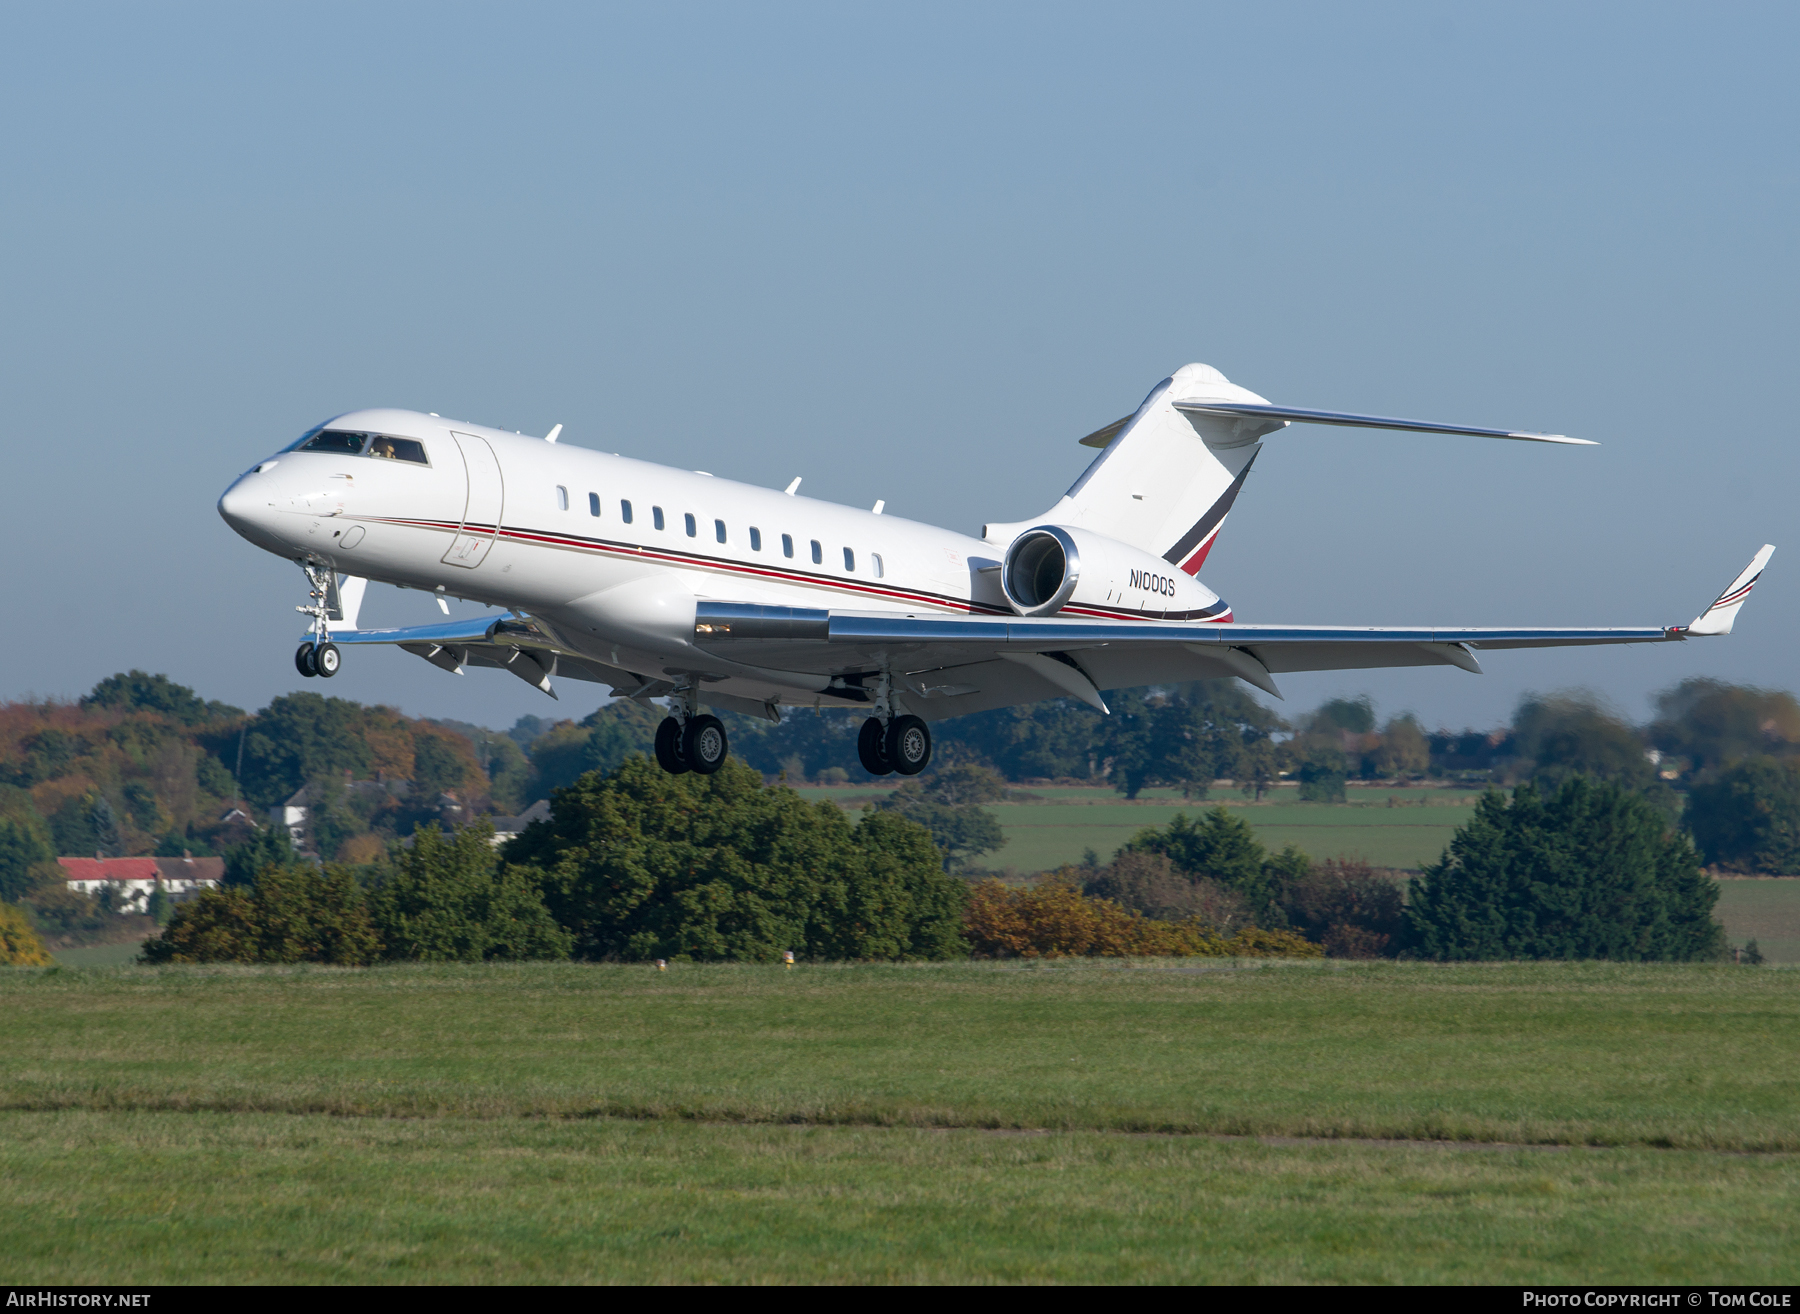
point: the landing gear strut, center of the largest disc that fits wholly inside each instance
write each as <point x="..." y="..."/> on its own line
<point x="888" y="744"/>
<point x="689" y="739"/>
<point x="318" y="655"/>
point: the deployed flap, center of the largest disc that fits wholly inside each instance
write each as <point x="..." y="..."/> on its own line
<point x="1718" y="618"/>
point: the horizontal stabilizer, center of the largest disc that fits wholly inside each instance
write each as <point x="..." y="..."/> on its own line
<point x="1299" y="415"/>
<point x="1718" y="618"/>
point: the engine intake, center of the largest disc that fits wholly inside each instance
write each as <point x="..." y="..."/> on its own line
<point x="1040" y="571"/>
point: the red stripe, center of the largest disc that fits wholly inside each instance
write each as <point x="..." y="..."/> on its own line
<point x="891" y="593"/>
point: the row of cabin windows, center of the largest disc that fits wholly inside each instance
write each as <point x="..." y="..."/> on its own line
<point x="693" y="531"/>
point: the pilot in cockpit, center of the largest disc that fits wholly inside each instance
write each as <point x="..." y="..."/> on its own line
<point x="384" y="447"/>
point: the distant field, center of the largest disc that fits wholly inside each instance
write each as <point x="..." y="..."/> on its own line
<point x="1767" y="910"/>
<point x="964" y="1122"/>
<point x="99" y="955"/>
<point x="1063" y="822"/>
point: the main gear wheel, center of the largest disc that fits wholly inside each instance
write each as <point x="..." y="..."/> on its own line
<point x="906" y="745"/>
<point x="871" y="750"/>
<point x="668" y="747"/>
<point x="704" y="746"/>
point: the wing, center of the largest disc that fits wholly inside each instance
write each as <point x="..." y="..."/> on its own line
<point x="951" y="665"/>
<point x="755" y="658"/>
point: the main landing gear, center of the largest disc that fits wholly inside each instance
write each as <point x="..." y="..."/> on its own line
<point x="892" y="745"/>
<point x="689" y="739"/>
<point x="901" y="747"/>
<point x="318" y="655"/>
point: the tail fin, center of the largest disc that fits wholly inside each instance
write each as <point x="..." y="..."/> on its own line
<point x="1172" y="469"/>
<point x="1167" y="478"/>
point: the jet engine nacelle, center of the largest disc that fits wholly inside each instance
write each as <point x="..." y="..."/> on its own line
<point x="1052" y="567"/>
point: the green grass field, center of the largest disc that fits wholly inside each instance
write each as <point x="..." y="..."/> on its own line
<point x="962" y="1122"/>
<point x="1063" y="821"/>
<point x="1765" y="909"/>
<point x="99" y="955"/>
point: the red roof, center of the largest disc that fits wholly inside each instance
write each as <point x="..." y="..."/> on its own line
<point x="109" y="869"/>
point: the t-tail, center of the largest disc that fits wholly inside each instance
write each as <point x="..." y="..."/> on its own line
<point x="1171" y="471"/>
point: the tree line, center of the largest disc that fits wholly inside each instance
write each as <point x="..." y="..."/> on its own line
<point x="141" y="765"/>
<point x="638" y="865"/>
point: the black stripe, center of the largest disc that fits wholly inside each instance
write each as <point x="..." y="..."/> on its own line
<point x="1210" y="521"/>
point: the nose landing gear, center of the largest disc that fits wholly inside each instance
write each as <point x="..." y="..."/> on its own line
<point x="318" y="655"/>
<point x="318" y="659"/>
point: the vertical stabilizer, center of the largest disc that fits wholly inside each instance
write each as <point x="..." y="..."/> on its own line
<point x="1167" y="479"/>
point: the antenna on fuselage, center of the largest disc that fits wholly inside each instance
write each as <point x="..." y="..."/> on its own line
<point x="552" y="435"/>
<point x="789" y="490"/>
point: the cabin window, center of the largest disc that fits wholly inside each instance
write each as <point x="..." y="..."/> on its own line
<point x="656" y="516"/>
<point x="875" y="564"/>
<point x="787" y="545"/>
<point x="562" y="498"/>
<point x="850" y="561"/>
<point x="692" y="528"/>
<point x="625" y="509"/>
<point x="593" y="504"/>
<point x="755" y="539"/>
<point x="818" y="553"/>
<point x="719" y="530"/>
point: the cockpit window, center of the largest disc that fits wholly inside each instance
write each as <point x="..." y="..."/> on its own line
<point x="398" y="449"/>
<point x="334" y="440"/>
<point x="378" y="445"/>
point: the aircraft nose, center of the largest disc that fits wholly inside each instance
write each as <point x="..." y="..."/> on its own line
<point x="237" y="505"/>
<point x="245" y="507"/>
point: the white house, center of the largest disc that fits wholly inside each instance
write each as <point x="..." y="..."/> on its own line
<point x="134" y="879"/>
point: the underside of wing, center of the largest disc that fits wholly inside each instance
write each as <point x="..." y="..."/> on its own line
<point x="950" y="665"/>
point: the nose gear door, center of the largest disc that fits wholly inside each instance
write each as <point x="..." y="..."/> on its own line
<point x="481" y="512"/>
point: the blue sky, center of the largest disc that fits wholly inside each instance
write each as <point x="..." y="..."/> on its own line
<point x="913" y="254"/>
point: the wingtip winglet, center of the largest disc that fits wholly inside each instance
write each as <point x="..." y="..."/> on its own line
<point x="1718" y="618"/>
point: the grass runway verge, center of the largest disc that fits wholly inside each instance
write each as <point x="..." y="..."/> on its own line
<point x="958" y="1122"/>
<point x="95" y="1198"/>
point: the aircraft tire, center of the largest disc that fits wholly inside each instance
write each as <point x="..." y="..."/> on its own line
<point x="668" y="747"/>
<point x="303" y="660"/>
<point x="704" y="746"/>
<point x="869" y="749"/>
<point x="907" y="745"/>
<point x="328" y="659"/>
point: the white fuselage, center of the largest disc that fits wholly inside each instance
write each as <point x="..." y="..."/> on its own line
<point x="542" y="528"/>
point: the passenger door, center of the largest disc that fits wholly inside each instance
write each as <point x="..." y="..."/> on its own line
<point x="481" y="512"/>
